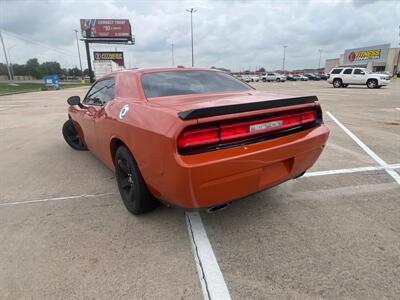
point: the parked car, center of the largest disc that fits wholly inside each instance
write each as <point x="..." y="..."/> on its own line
<point x="291" y="77"/>
<point x="254" y="78"/>
<point x="171" y="134"/>
<point x="311" y="76"/>
<point x="300" y="77"/>
<point x="273" y="77"/>
<point x="342" y="77"/>
<point x="323" y="76"/>
<point x="246" y="78"/>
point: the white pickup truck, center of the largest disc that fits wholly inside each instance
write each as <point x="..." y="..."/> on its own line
<point x="342" y="77"/>
<point x="273" y="77"/>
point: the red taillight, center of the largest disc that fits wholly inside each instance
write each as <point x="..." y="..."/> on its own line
<point x="198" y="137"/>
<point x="308" y="116"/>
<point x="243" y="129"/>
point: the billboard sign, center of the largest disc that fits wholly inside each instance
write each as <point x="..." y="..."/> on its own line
<point x="115" y="56"/>
<point x="106" y="29"/>
<point x="361" y="56"/>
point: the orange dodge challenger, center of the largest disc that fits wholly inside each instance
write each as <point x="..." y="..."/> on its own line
<point x="194" y="138"/>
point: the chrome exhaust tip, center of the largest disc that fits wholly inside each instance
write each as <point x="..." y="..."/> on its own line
<point x="216" y="208"/>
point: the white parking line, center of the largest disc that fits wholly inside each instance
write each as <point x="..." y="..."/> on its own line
<point x="56" y="199"/>
<point x="371" y="153"/>
<point x="211" y="279"/>
<point x="351" y="170"/>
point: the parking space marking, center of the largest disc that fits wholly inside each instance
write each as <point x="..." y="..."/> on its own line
<point x="56" y="199"/>
<point x="211" y="279"/>
<point x="371" y="153"/>
<point x="351" y="170"/>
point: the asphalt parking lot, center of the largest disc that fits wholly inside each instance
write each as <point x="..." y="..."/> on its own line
<point x="335" y="233"/>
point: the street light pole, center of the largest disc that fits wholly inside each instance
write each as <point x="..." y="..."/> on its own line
<point x="284" y="57"/>
<point x="319" y="61"/>
<point x="79" y="52"/>
<point x="192" y="10"/>
<point x="172" y="53"/>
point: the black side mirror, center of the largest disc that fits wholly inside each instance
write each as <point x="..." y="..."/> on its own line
<point x="75" y="100"/>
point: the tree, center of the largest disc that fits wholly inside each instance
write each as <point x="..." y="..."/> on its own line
<point x="262" y="70"/>
<point x="50" y="68"/>
<point x="32" y="68"/>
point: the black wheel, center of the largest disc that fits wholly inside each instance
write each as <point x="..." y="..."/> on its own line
<point x="278" y="79"/>
<point x="264" y="80"/>
<point x="134" y="192"/>
<point x="71" y="136"/>
<point x="372" y="83"/>
<point x="337" y="83"/>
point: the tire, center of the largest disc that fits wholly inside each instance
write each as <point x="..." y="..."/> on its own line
<point x="264" y="80"/>
<point x="337" y="83"/>
<point x="345" y="85"/>
<point x="379" y="86"/>
<point x="71" y="137"/>
<point x="278" y="80"/>
<point x="372" y="83"/>
<point x="133" y="190"/>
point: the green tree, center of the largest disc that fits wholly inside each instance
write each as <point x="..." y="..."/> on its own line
<point x="32" y="68"/>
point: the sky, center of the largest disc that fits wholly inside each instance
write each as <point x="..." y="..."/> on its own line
<point x="233" y="34"/>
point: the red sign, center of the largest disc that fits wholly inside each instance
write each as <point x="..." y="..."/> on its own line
<point x="352" y="56"/>
<point x="106" y="29"/>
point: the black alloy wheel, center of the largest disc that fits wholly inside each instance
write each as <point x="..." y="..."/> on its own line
<point x="71" y="136"/>
<point x="133" y="190"/>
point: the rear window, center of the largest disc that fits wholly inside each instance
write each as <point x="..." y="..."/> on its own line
<point x="336" y="71"/>
<point x="172" y="83"/>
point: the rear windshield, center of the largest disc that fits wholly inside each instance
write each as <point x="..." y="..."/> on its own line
<point x="172" y="83"/>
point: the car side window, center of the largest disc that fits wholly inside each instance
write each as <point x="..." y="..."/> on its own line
<point x="336" y="71"/>
<point x="347" y="71"/>
<point x="359" y="72"/>
<point x="102" y="92"/>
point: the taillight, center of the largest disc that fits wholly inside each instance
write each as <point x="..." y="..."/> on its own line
<point x="236" y="130"/>
<point x="198" y="137"/>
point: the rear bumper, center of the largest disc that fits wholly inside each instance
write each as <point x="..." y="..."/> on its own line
<point x="211" y="178"/>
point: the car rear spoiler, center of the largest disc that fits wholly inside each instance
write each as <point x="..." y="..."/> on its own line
<point x="243" y="107"/>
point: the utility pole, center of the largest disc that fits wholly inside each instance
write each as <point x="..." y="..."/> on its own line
<point x="5" y="55"/>
<point x="319" y="61"/>
<point x="9" y="58"/>
<point x="192" y="10"/>
<point x="172" y="53"/>
<point x="79" y="52"/>
<point x="284" y="57"/>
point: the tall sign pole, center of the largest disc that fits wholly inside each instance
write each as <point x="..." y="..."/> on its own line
<point x="5" y="55"/>
<point x="89" y="61"/>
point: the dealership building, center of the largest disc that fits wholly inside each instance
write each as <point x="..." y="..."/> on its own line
<point x="376" y="58"/>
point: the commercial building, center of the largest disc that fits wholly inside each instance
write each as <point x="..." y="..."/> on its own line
<point x="376" y="58"/>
